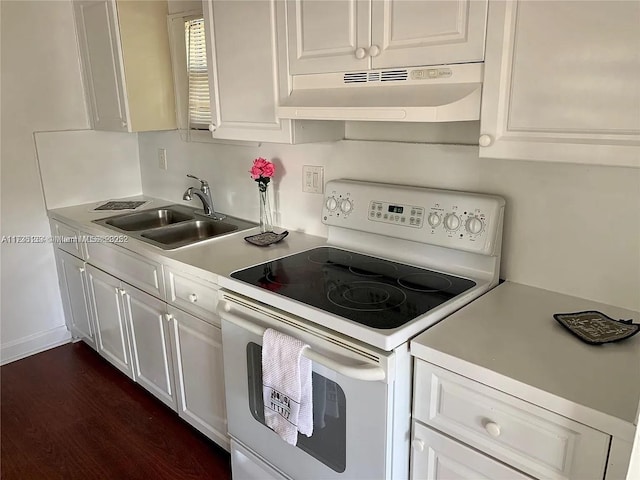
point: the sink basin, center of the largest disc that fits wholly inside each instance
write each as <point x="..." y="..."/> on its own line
<point x="146" y="220"/>
<point x="189" y="232"/>
<point x="173" y="226"/>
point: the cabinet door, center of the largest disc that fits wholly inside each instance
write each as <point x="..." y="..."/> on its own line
<point x="437" y="457"/>
<point x="427" y="32"/>
<point x="100" y="55"/>
<point x="328" y="36"/>
<point x="150" y="346"/>
<point x="561" y="82"/>
<point x="73" y="288"/>
<point x="108" y="313"/>
<point x="197" y="347"/>
<point x="247" y="71"/>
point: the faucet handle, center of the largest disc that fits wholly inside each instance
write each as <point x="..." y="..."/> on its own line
<point x="203" y="182"/>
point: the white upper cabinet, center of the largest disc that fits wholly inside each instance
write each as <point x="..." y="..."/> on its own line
<point x="328" y="36"/>
<point x="562" y="82"/>
<point x="248" y="74"/>
<point x="348" y="35"/>
<point x="124" y="52"/>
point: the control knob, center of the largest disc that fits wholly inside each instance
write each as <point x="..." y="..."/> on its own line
<point x="346" y="206"/>
<point x="331" y="204"/>
<point x="451" y="222"/>
<point x="434" y="219"/>
<point x="474" y="225"/>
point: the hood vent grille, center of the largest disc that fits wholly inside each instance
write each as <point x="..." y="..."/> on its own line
<point x="384" y="76"/>
<point x="394" y="75"/>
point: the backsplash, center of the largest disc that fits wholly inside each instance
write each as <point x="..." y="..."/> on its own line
<point x="568" y="228"/>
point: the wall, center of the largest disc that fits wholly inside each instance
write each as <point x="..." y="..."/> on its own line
<point x="83" y="166"/>
<point x="41" y="90"/>
<point x="569" y="228"/>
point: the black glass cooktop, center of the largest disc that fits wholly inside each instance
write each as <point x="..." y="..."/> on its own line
<point x="374" y="292"/>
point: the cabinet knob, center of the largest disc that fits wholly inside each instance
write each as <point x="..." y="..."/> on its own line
<point x="122" y="291"/>
<point x="123" y="123"/>
<point x="485" y="140"/>
<point x="193" y="298"/>
<point x="169" y="317"/>
<point x="212" y="127"/>
<point x="81" y="269"/>
<point x="492" y="429"/>
<point x="374" y="51"/>
<point x="360" y="53"/>
<point x="418" y="445"/>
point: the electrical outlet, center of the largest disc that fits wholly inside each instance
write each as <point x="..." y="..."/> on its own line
<point x="162" y="158"/>
<point x="312" y="179"/>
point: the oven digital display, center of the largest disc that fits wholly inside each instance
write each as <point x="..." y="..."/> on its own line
<point x="395" y="209"/>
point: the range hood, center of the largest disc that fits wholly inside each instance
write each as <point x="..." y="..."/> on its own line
<point x="444" y="93"/>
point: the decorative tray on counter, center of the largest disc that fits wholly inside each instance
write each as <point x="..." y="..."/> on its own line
<point x="121" y="205"/>
<point x="597" y="328"/>
<point x="265" y="239"/>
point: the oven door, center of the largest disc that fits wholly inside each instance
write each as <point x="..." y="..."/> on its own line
<point x="351" y="398"/>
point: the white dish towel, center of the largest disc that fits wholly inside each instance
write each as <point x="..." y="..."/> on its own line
<point x="286" y="386"/>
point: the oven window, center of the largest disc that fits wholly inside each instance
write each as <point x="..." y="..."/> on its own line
<point x="328" y="442"/>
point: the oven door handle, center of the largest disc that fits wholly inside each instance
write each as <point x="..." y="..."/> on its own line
<point x="365" y="371"/>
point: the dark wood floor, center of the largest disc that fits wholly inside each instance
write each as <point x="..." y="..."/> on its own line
<point x="68" y="414"/>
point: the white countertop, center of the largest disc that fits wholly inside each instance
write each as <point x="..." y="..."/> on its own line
<point x="508" y="339"/>
<point x="207" y="259"/>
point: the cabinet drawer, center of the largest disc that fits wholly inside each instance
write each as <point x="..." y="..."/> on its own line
<point x="532" y="439"/>
<point x="192" y="294"/>
<point x="67" y="239"/>
<point x="437" y="457"/>
<point x="128" y="266"/>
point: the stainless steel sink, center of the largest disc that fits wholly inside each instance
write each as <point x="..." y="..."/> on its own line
<point x="158" y="217"/>
<point x="173" y="226"/>
<point x="189" y="232"/>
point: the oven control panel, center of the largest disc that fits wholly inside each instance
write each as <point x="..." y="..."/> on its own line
<point x="406" y="215"/>
<point x="461" y="220"/>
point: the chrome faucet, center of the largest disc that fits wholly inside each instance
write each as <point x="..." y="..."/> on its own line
<point x="204" y="194"/>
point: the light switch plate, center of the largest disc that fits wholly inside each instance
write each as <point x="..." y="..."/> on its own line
<point x="312" y="179"/>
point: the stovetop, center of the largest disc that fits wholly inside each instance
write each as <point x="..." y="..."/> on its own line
<point x="378" y="293"/>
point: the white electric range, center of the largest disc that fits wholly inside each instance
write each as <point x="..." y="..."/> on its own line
<point x="398" y="259"/>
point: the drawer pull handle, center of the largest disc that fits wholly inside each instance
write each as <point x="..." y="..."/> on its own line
<point x="418" y="445"/>
<point x="193" y="298"/>
<point x="492" y="429"/>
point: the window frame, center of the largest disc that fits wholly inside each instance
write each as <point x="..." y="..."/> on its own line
<point x="177" y="46"/>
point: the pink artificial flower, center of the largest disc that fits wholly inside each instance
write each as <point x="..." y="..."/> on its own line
<point x="262" y="168"/>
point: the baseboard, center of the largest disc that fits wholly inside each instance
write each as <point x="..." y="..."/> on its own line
<point x="32" y="344"/>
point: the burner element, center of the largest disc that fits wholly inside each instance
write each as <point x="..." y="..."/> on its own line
<point x="366" y="296"/>
<point x="374" y="268"/>
<point x="425" y="282"/>
<point x="327" y="255"/>
<point x="291" y="276"/>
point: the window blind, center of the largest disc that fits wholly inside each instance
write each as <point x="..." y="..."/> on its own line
<point x="198" y="75"/>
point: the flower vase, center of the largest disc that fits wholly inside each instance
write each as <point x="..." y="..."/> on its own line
<point x="266" y="224"/>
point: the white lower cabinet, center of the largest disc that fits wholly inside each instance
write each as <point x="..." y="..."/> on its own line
<point x="133" y="333"/>
<point x="150" y="346"/>
<point x="197" y="357"/>
<point x="106" y="299"/>
<point x="517" y="433"/>
<point x="437" y="457"/>
<point x="73" y="288"/>
<point x="175" y="355"/>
